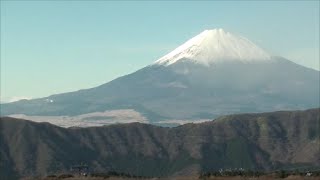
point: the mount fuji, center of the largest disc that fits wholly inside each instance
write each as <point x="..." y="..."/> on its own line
<point x="215" y="73"/>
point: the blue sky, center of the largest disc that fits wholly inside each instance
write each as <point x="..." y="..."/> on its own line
<point x="60" y="46"/>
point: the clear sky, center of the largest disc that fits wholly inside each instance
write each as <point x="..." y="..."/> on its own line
<point x="60" y="46"/>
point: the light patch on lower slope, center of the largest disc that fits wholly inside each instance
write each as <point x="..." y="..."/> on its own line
<point x="90" y="119"/>
<point x="181" y="121"/>
<point x="173" y="85"/>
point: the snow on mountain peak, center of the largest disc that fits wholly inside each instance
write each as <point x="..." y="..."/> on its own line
<point x="213" y="46"/>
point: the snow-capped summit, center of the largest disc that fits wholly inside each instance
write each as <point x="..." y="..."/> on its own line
<point x="213" y="46"/>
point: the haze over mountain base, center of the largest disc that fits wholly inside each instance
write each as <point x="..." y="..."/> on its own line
<point x="180" y="93"/>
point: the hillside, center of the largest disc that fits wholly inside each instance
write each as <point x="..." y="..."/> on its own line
<point x="253" y="141"/>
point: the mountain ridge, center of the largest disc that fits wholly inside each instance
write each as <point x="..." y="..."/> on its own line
<point x="262" y="141"/>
